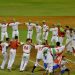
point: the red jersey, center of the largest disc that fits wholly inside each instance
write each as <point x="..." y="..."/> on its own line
<point x="14" y="44"/>
<point x="60" y="34"/>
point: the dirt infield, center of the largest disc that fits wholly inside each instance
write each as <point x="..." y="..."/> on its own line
<point x="64" y="20"/>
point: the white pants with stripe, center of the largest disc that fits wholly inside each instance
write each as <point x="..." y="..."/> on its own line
<point x="29" y="34"/>
<point x="45" y="35"/>
<point x="24" y="62"/>
<point x="38" y="38"/>
<point x="11" y="58"/>
<point x="5" y="57"/>
<point x="4" y="34"/>
<point x="15" y="33"/>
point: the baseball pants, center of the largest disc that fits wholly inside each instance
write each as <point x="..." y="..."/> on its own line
<point x="45" y="35"/>
<point x="11" y="58"/>
<point x="4" y="34"/>
<point x="24" y="62"/>
<point x="15" y="33"/>
<point x="38" y="38"/>
<point x="29" y="35"/>
<point x="5" y="57"/>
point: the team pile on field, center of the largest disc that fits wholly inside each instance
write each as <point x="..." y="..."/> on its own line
<point x="51" y="55"/>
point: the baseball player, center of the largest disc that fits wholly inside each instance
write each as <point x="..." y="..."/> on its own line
<point x="4" y="33"/>
<point x="48" y="58"/>
<point x="54" y="31"/>
<point x="13" y="47"/>
<point x="30" y="27"/>
<point x="61" y="34"/>
<point x="73" y="42"/>
<point x="38" y="31"/>
<point x="39" y="55"/>
<point x="26" y="54"/>
<point x="57" y="53"/>
<point x="14" y="25"/>
<point x="4" y="53"/>
<point x="45" y="31"/>
<point x="68" y="38"/>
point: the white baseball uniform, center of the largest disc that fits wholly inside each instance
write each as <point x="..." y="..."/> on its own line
<point x="39" y="53"/>
<point x="30" y="29"/>
<point x="45" y="32"/>
<point x="25" y="56"/>
<point x="15" y="29"/>
<point x="68" y="38"/>
<point x="54" y="34"/>
<point x="3" y="31"/>
<point x="38" y="31"/>
<point x="48" y="59"/>
<point x="5" y="55"/>
<point x="73" y="41"/>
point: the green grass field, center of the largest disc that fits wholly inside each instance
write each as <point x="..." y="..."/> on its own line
<point x="15" y="68"/>
<point x="37" y="7"/>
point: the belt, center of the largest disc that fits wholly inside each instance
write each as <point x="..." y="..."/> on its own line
<point x="26" y="53"/>
<point x="29" y="30"/>
<point x="4" y="32"/>
<point x="54" y="35"/>
<point x="15" y="30"/>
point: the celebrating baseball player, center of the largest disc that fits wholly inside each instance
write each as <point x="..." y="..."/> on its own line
<point x="39" y="55"/>
<point x="30" y="27"/>
<point x="45" y="31"/>
<point x="4" y="45"/>
<point x="14" y="25"/>
<point x="54" y="31"/>
<point x="68" y="38"/>
<point x="26" y="54"/>
<point x="4" y="33"/>
<point x="13" y="47"/>
<point x="38" y="31"/>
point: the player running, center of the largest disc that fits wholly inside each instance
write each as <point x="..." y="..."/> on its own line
<point x="14" y="24"/>
<point x="13" y="47"/>
<point x="39" y="56"/>
<point x="4" y="33"/>
<point x="26" y="54"/>
<point x="5" y="46"/>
